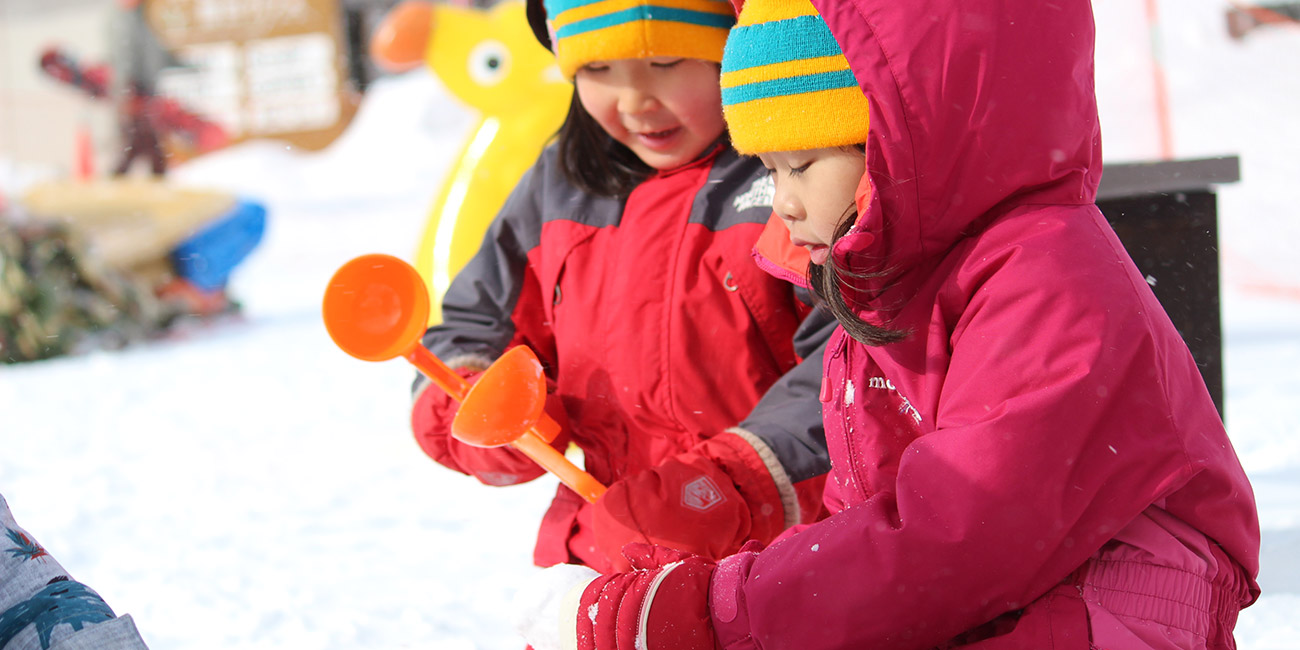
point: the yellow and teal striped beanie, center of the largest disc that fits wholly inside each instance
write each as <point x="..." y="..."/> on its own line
<point x="786" y="85"/>
<point x="603" y="30"/>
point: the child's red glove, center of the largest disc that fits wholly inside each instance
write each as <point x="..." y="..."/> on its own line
<point x="707" y="501"/>
<point x="431" y="418"/>
<point x="662" y="604"/>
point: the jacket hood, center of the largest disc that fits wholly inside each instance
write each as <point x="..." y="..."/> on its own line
<point x="977" y="107"/>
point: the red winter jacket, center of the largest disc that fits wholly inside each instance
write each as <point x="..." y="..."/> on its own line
<point x="1039" y="464"/>
<point x="656" y="329"/>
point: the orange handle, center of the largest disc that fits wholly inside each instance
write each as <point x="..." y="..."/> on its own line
<point x="437" y="371"/>
<point x="554" y="462"/>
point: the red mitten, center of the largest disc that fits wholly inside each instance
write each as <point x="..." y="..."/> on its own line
<point x="431" y="418"/>
<point x="662" y="604"/>
<point x="707" y="501"/>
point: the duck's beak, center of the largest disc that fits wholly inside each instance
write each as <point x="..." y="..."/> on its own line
<point x="401" y="40"/>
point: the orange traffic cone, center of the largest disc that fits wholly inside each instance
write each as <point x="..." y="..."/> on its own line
<point x="85" y="153"/>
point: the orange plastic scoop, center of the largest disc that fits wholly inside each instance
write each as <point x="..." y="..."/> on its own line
<point x="506" y="406"/>
<point x="375" y="309"/>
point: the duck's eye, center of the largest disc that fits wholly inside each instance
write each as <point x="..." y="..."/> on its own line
<point x="489" y="62"/>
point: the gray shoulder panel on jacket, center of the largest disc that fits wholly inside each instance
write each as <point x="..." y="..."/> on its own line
<point x="789" y="416"/>
<point x="739" y="191"/>
<point x="481" y="299"/>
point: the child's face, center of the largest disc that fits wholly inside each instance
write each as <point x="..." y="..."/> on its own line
<point x="665" y="109"/>
<point x="814" y="193"/>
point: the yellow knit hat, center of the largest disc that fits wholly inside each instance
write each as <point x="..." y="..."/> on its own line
<point x="786" y="85"/>
<point x="603" y="30"/>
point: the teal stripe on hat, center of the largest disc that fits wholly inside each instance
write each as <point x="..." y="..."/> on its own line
<point x="801" y="37"/>
<point x="556" y="7"/>
<point x="810" y="83"/>
<point x="647" y="12"/>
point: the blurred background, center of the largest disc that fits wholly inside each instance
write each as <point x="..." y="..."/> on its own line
<point x="293" y="71"/>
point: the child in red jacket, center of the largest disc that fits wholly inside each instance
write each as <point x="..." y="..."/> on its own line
<point x="1024" y="454"/>
<point x="687" y="376"/>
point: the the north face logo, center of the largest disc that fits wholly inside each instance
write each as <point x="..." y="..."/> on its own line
<point x="701" y="494"/>
<point x="759" y="194"/>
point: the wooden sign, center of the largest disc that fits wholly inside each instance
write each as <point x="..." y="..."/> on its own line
<point x="261" y="68"/>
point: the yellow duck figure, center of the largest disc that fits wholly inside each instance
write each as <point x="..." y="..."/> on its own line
<point x="490" y="60"/>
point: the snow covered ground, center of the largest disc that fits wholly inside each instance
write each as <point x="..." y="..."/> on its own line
<point x="251" y="486"/>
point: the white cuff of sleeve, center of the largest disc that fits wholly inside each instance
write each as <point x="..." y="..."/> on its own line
<point x="784" y="486"/>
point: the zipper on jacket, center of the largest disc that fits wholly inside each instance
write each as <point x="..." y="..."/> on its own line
<point x="847" y="418"/>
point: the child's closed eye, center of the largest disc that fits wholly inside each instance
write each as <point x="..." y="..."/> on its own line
<point x="666" y="64"/>
<point x="794" y="171"/>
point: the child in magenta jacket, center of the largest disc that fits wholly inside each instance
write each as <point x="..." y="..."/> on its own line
<point x="687" y="376"/>
<point x="1024" y="454"/>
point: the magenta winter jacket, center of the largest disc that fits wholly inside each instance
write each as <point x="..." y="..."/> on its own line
<point x="1039" y="465"/>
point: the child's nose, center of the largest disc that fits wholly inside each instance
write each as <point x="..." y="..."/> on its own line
<point x="633" y="100"/>
<point x="787" y="206"/>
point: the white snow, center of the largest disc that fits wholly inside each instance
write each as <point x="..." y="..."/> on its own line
<point x="542" y="601"/>
<point x="252" y="486"/>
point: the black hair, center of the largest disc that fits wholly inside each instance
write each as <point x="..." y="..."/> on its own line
<point x="828" y="282"/>
<point x="589" y="158"/>
<point x="593" y="161"/>
<point x="536" y="14"/>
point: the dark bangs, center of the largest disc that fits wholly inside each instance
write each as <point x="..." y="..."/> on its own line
<point x="593" y="161"/>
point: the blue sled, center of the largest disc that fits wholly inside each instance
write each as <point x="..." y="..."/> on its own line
<point x="207" y="258"/>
